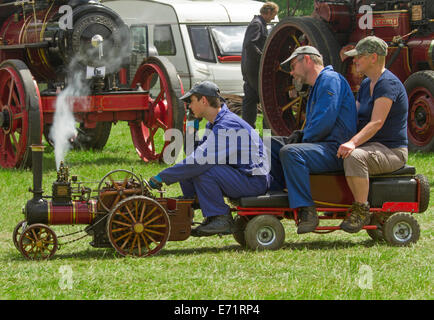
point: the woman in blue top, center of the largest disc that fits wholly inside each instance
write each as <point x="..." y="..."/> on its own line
<point x="380" y="146"/>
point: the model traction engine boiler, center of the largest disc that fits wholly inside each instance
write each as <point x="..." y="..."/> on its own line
<point x="44" y="44"/>
<point x="334" y="27"/>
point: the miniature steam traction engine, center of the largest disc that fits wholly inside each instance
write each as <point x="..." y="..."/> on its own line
<point x="42" y="48"/>
<point x="333" y="28"/>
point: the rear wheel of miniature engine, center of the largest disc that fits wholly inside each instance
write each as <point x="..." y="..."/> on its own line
<point x="38" y="242"/>
<point x="264" y="232"/>
<point x="420" y="91"/>
<point x="138" y="226"/>
<point x="401" y="229"/>
<point x="240" y="227"/>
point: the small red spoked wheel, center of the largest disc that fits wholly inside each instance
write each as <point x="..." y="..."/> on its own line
<point x="18" y="230"/>
<point x="21" y="119"/>
<point x="158" y="77"/>
<point x="138" y="226"/>
<point x="38" y="242"/>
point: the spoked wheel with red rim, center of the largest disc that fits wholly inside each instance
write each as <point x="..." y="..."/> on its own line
<point x="38" y="242"/>
<point x="20" y="114"/>
<point x="282" y="99"/>
<point x="158" y="77"/>
<point x="420" y="91"/>
<point x="138" y="226"/>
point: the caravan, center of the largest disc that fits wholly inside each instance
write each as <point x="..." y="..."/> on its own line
<point x="202" y="38"/>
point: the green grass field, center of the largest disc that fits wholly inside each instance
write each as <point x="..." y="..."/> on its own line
<point x="332" y="266"/>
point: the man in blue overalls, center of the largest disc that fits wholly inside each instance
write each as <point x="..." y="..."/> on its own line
<point x="230" y="160"/>
<point x="331" y="118"/>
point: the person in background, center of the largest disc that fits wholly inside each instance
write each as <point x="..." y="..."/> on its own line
<point x="380" y="146"/>
<point x="253" y="44"/>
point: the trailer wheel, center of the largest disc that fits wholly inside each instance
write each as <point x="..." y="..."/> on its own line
<point x="264" y="233"/>
<point x="38" y="242"/>
<point x="376" y="234"/>
<point x="138" y="226"/>
<point x="420" y="91"/>
<point x="166" y="111"/>
<point x="424" y="192"/>
<point x="20" y="114"/>
<point x="240" y="227"/>
<point x="401" y="229"/>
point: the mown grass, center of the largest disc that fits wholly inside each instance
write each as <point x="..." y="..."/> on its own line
<point x="312" y="266"/>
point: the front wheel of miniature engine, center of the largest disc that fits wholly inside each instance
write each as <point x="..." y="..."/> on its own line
<point x="264" y="233"/>
<point x="401" y="229"/>
<point x="38" y="242"/>
<point x="18" y="230"/>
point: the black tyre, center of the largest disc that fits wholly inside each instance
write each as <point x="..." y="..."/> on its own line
<point x="240" y="227"/>
<point x="264" y="233"/>
<point x="424" y="192"/>
<point x="420" y="91"/>
<point x="401" y="229"/>
<point x="376" y="234"/>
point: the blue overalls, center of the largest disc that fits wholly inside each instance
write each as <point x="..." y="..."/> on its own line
<point x="218" y="167"/>
<point x="331" y="119"/>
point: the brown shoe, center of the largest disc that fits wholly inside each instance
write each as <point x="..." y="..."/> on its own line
<point x="359" y="217"/>
<point x="308" y="220"/>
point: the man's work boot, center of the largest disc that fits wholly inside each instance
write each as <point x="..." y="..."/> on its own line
<point x="223" y="224"/>
<point x="308" y="220"/>
<point x="359" y="217"/>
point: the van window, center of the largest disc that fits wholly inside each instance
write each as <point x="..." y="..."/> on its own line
<point x="163" y="40"/>
<point x="139" y="35"/>
<point x="229" y="39"/>
<point x="201" y="43"/>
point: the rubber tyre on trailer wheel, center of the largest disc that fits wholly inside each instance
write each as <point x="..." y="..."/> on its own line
<point x="264" y="233"/>
<point x="424" y="192"/>
<point x="401" y="229"/>
<point x="240" y="226"/>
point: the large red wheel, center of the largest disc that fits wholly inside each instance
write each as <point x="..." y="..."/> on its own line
<point x="284" y="101"/>
<point x="157" y="76"/>
<point x="420" y="90"/>
<point x="21" y="114"/>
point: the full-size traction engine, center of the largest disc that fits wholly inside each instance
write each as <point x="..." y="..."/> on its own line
<point x="44" y="44"/>
<point x="335" y="27"/>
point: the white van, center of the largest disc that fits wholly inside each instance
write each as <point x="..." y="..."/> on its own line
<point x="202" y="38"/>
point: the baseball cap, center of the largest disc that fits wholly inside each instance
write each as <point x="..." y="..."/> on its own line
<point x="370" y="44"/>
<point x="205" y="88"/>
<point x="301" y="51"/>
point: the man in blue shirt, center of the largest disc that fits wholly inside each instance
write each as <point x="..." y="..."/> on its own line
<point x="331" y="119"/>
<point x="380" y="146"/>
<point x="230" y="160"/>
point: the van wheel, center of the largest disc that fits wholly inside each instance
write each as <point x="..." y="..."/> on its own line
<point x="401" y="229"/>
<point x="264" y="233"/>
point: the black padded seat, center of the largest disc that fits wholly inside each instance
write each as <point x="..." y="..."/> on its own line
<point x="404" y="171"/>
<point x="272" y="199"/>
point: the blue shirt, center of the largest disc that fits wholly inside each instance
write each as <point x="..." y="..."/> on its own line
<point x="393" y="133"/>
<point x="230" y="141"/>
<point x="331" y="114"/>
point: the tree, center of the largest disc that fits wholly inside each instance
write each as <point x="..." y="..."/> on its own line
<point x="294" y="7"/>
